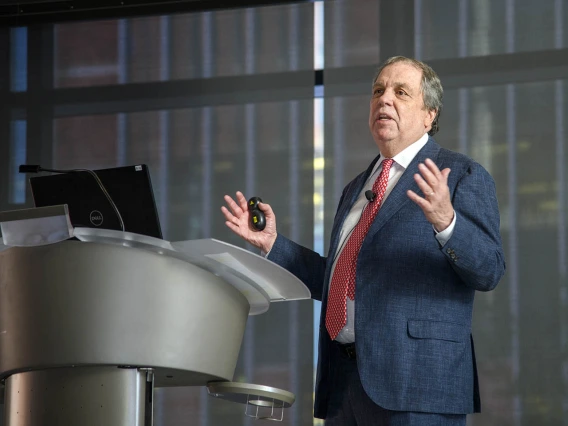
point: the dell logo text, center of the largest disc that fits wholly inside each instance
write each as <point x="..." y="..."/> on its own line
<point x="96" y="218"/>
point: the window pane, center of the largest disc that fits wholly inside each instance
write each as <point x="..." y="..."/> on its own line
<point x="183" y="46"/>
<point x="86" y="53"/>
<point x="17" y="156"/>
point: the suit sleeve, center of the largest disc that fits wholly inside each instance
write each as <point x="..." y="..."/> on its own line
<point x="474" y="249"/>
<point x="304" y="263"/>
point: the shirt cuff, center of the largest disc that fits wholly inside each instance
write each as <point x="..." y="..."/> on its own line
<point x="446" y="234"/>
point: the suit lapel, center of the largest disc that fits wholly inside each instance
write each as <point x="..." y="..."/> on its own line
<point x="398" y="198"/>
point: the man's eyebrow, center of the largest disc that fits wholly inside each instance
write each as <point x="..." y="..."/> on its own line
<point x="403" y="86"/>
<point x="395" y="84"/>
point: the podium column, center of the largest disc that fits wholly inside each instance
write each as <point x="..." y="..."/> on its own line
<point x="86" y="396"/>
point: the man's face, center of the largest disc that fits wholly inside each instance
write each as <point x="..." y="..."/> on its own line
<point x="398" y="117"/>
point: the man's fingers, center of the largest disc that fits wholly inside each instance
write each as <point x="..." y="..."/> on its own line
<point x="265" y="207"/>
<point x="242" y="201"/>
<point x="423" y="185"/>
<point x="432" y="175"/>
<point x="228" y="215"/>
<point x="433" y="168"/>
<point x="235" y="209"/>
<point x="428" y="175"/>
<point x="422" y="203"/>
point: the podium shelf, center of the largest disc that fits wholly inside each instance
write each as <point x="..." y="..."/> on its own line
<point x="259" y="280"/>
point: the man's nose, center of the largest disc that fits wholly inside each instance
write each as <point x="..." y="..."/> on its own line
<point x="386" y="98"/>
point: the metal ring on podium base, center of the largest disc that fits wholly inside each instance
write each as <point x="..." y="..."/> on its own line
<point x="261" y="402"/>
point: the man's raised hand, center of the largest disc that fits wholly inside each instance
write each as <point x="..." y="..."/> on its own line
<point x="238" y="220"/>
<point x="436" y="203"/>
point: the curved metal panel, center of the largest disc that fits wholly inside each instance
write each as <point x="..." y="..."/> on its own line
<point x="77" y="303"/>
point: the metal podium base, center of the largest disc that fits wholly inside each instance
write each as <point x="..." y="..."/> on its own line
<point x="79" y="396"/>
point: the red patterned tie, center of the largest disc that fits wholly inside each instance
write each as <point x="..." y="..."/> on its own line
<point x="343" y="280"/>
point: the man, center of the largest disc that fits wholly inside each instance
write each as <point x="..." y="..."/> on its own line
<point x="414" y="236"/>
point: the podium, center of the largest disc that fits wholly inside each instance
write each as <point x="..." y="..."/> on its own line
<point x="88" y="328"/>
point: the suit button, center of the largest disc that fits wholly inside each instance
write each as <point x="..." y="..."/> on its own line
<point x="449" y="251"/>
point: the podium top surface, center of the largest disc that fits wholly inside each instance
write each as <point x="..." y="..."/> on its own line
<point x="258" y="279"/>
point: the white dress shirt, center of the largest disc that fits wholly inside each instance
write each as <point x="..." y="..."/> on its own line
<point x="400" y="164"/>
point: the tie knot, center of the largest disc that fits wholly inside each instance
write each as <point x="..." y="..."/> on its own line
<point x="380" y="185"/>
<point x="387" y="163"/>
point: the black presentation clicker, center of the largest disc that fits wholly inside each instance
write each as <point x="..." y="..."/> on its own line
<point x="257" y="218"/>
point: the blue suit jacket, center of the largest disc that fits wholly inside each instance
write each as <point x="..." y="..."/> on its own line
<point x="414" y="298"/>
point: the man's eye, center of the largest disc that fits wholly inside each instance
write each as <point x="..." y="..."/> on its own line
<point x="401" y="92"/>
<point x="378" y="91"/>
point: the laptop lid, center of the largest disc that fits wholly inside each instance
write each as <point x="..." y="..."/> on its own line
<point x="129" y="187"/>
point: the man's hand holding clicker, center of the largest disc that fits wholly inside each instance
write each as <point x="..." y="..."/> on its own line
<point x="238" y="220"/>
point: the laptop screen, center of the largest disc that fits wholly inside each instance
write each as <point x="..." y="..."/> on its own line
<point x="129" y="187"/>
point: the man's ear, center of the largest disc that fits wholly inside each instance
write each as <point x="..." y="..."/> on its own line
<point x="430" y="117"/>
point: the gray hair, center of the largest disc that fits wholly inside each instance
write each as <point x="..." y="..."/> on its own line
<point x="431" y="87"/>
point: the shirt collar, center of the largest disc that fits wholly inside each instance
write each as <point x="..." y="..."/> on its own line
<point x="405" y="157"/>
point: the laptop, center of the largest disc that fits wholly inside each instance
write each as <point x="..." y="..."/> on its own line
<point x="129" y="187"/>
